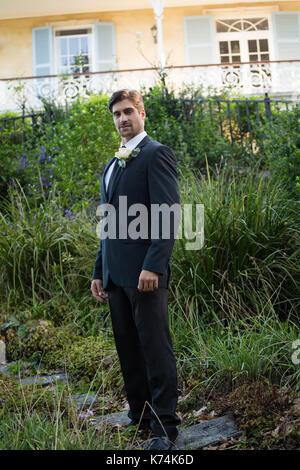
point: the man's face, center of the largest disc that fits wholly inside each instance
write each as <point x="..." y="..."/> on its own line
<point x="128" y="120"/>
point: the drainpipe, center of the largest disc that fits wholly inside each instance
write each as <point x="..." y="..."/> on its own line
<point x="158" y="7"/>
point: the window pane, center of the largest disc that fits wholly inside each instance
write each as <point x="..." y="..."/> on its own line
<point x="224" y="60"/>
<point x="253" y="57"/>
<point x="259" y="24"/>
<point x="84" y="45"/>
<point x="265" y="57"/>
<point x="224" y="47"/>
<point x="221" y="28"/>
<point x="64" y="61"/>
<point x="263" y="45"/>
<point x="74" y="46"/>
<point x="263" y="26"/>
<point x="235" y="46"/>
<point x="63" y="46"/>
<point x="73" y="32"/>
<point x="236" y="58"/>
<point x="248" y="25"/>
<point x="237" y="25"/>
<point x="252" y="45"/>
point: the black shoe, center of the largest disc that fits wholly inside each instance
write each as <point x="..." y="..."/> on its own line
<point x="160" y="443"/>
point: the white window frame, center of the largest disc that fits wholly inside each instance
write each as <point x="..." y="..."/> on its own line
<point x="248" y="12"/>
<point x="70" y="27"/>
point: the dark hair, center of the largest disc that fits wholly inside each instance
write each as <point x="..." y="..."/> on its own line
<point x="132" y="95"/>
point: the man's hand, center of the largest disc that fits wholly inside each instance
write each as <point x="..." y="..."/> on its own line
<point x="97" y="291"/>
<point x="148" y="281"/>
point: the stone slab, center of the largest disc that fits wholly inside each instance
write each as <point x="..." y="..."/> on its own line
<point x="45" y="380"/>
<point x="114" y="419"/>
<point x="41" y="379"/>
<point x="206" y="433"/>
<point x="5" y="368"/>
<point x="86" y="400"/>
<point x="2" y="352"/>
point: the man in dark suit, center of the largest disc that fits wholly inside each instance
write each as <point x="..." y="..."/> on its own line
<point x="135" y="271"/>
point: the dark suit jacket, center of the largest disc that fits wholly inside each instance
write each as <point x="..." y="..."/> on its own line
<point x="149" y="178"/>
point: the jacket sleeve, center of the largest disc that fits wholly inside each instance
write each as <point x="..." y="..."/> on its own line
<point x="163" y="190"/>
<point x="97" y="274"/>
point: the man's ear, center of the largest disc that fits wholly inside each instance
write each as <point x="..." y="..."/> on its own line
<point x="143" y="113"/>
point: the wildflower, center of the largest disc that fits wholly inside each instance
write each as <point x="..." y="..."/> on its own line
<point x="24" y="162"/>
<point x="68" y="213"/>
<point x="50" y="158"/>
<point x="42" y="156"/>
<point x="86" y="414"/>
<point x="267" y="136"/>
<point x="265" y="175"/>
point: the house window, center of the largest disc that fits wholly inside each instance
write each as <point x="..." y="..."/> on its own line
<point x="73" y="50"/>
<point x="243" y="40"/>
<point x="242" y="24"/>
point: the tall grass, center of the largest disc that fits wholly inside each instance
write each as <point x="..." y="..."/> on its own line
<point x="250" y="259"/>
<point x="44" y="248"/>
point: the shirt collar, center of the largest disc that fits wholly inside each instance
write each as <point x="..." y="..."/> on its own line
<point x="134" y="142"/>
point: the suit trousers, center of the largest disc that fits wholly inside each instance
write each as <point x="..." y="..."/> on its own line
<point x="141" y="331"/>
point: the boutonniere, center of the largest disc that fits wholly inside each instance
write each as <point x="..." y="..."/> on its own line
<point x="124" y="155"/>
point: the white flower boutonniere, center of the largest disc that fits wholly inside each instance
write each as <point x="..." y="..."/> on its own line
<point x="124" y="155"/>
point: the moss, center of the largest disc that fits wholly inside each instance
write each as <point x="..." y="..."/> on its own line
<point x="35" y="339"/>
<point x="89" y="360"/>
<point x="15" y="397"/>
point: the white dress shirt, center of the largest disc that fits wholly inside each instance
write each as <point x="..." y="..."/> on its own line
<point x="131" y="144"/>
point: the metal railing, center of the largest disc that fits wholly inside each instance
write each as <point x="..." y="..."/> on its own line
<point x="246" y="78"/>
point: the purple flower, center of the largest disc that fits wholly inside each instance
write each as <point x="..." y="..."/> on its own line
<point x="50" y="158"/>
<point x="24" y="162"/>
<point x="68" y="213"/>
<point x="267" y="136"/>
<point x="42" y="156"/>
<point x="265" y="175"/>
<point x="86" y="414"/>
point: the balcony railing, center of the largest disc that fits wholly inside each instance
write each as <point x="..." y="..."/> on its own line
<point x="279" y="78"/>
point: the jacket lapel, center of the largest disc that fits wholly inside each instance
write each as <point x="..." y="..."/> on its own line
<point x="142" y="144"/>
<point x="103" y="191"/>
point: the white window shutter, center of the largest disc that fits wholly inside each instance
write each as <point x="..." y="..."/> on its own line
<point x="42" y="51"/>
<point x="104" y="47"/>
<point x="286" y="26"/>
<point x="199" y="40"/>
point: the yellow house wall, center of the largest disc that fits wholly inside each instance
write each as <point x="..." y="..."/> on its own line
<point x="16" y="35"/>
